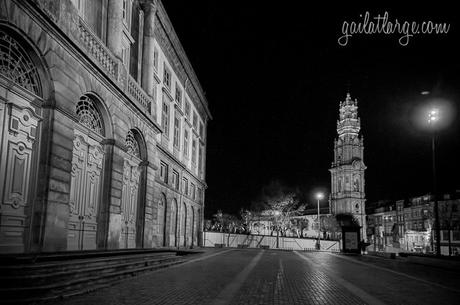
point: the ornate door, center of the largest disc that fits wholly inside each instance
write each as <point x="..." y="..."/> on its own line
<point x="17" y="151"/>
<point x="184" y="225"/>
<point x="173" y="222"/>
<point x="129" y="201"/>
<point x="84" y="192"/>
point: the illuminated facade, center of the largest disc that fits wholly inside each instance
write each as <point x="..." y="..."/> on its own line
<point x="102" y="129"/>
<point x="347" y="170"/>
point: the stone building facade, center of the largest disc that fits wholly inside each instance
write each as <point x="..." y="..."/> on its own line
<point x="102" y="126"/>
<point x="347" y="170"/>
<point x="407" y="225"/>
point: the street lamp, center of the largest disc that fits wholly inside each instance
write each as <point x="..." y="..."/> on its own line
<point x="319" y="196"/>
<point x="277" y="213"/>
<point x="433" y="118"/>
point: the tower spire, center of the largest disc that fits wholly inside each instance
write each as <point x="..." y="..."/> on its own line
<point x="347" y="170"/>
<point x="349" y="122"/>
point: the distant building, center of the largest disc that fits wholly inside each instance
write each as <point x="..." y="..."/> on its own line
<point x="103" y="128"/>
<point x="347" y="170"/>
<point x="305" y="225"/>
<point x="408" y="225"/>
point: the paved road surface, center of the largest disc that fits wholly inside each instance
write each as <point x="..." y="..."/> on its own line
<point x="250" y="276"/>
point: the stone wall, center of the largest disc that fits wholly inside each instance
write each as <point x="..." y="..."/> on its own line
<point x="51" y="31"/>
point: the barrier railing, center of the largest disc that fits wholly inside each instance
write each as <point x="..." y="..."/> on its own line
<point x="97" y="49"/>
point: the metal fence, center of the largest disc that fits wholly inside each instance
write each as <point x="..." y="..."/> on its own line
<point x="217" y="239"/>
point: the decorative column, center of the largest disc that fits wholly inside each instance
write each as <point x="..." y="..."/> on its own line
<point x="115" y="26"/>
<point x="147" y="58"/>
<point x="106" y="185"/>
<point x="140" y="237"/>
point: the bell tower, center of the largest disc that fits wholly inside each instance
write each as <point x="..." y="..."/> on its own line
<point x="347" y="169"/>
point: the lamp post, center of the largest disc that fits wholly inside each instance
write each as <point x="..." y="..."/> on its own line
<point x="277" y="213"/>
<point x="319" y="196"/>
<point x="433" y="118"/>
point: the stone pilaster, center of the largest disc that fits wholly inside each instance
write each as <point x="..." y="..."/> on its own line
<point x="104" y="214"/>
<point x="115" y="26"/>
<point x="147" y="58"/>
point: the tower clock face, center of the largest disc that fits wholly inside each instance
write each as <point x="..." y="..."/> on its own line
<point x="356" y="164"/>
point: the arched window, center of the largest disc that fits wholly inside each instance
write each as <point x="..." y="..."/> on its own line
<point x="131" y="144"/>
<point x="16" y="64"/>
<point x="88" y="115"/>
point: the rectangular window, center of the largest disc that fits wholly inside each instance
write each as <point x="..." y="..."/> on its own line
<point x="178" y="96"/>
<point x="176" y="130"/>
<point x="175" y="180"/>
<point x="195" y="121"/>
<point x="200" y="194"/>
<point x="201" y="131"/>
<point x="200" y="160"/>
<point x="125" y="55"/>
<point x="126" y="13"/>
<point x="185" y="186"/>
<point x="187" y="110"/>
<point x="192" y="191"/>
<point x="125" y="10"/>
<point x="166" y="77"/>
<point x="164" y="172"/>
<point x="155" y="59"/>
<point x="456" y="235"/>
<point x="186" y="137"/>
<point x="165" y="119"/>
<point x="194" y="151"/>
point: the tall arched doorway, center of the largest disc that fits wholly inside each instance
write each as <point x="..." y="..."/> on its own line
<point x="193" y="226"/>
<point x="21" y="95"/>
<point x="173" y="222"/>
<point x="131" y="190"/>
<point x="162" y="223"/>
<point x="184" y="224"/>
<point x="86" y="175"/>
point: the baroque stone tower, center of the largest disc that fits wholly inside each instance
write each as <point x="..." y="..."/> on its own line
<point x="347" y="170"/>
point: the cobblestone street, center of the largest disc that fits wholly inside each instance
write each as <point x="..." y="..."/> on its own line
<point x="277" y="277"/>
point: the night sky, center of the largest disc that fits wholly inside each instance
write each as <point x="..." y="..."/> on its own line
<point x="274" y="76"/>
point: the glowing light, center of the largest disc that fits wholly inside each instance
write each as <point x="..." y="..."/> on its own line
<point x="319" y="196"/>
<point x="433" y="116"/>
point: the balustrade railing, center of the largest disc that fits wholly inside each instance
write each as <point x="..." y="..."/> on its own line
<point x="97" y="49"/>
<point x="107" y="61"/>
<point x="138" y="94"/>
